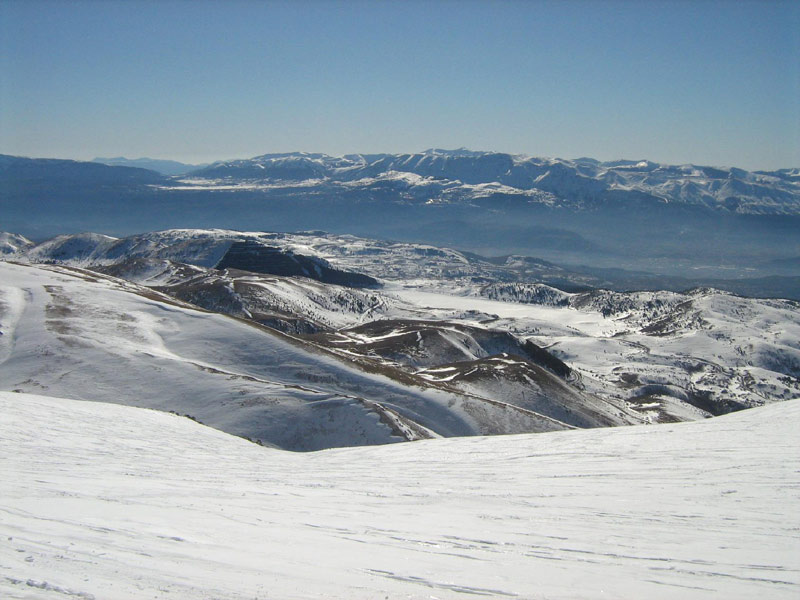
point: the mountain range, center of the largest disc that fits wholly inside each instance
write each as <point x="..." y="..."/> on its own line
<point x="464" y="175"/>
<point x="669" y="221"/>
<point x="446" y="176"/>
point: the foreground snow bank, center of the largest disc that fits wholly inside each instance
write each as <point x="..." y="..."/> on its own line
<point x="106" y="501"/>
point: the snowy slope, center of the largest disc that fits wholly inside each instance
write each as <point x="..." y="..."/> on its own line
<point x="102" y="501"/>
<point x="282" y="301"/>
<point x="11" y="243"/>
<point x="325" y="314"/>
<point x="671" y="355"/>
<point x="81" y="335"/>
<point x="486" y="362"/>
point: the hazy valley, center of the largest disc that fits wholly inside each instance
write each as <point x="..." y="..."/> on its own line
<point x="627" y="224"/>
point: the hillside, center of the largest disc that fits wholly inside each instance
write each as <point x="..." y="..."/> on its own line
<point x="19" y="171"/>
<point x="665" y="355"/>
<point x="81" y="335"/>
<point x="165" y="167"/>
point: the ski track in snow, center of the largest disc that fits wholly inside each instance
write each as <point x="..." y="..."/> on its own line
<point x="106" y="501"/>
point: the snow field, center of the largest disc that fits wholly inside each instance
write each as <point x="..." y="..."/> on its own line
<point x="106" y="501"/>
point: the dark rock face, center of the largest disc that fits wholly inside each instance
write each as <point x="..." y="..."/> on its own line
<point x="257" y="258"/>
<point x="543" y="358"/>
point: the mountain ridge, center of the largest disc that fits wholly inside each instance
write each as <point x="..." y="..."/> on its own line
<point x="448" y="175"/>
<point x="728" y="188"/>
<point x="19" y="169"/>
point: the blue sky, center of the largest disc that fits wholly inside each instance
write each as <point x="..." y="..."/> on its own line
<point x="704" y="81"/>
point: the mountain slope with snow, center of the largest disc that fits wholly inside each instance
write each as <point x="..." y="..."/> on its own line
<point x="669" y="355"/>
<point x="682" y="356"/>
<point x="81" y="335"/>
<point x="12" y="243"/>
<point x="104" y="501"/>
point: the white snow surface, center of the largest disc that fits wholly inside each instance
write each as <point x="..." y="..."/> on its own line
<point x="107" y="501"/>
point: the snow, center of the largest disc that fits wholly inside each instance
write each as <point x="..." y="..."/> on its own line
<point x="744" y="350"/>
<point x="11" y="243"/>
<point x="107" y="501"/>
<point x="580" y="322"/>
<point x="436" y="178"/>
<point x="77" y="334"/>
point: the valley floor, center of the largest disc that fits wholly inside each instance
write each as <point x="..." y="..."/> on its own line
<point x="106" y="501"/>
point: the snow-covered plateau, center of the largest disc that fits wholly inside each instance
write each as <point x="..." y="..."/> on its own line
<point x="113" y="502"/>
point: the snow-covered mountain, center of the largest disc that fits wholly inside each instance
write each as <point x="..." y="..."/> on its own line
<point x="79" y="334"/>
<point x="12" y="243"/>
<point x="664" y="355"/>
<point x="460" y="175"/>
<point x="380" y="259"/>
<point x="104" y="501"/>
<point x="222" y="249"/>
<point x="675" y="221"/>
<point x="442" y="177"/>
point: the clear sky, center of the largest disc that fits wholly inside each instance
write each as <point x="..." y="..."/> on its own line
<point x="709" y="82"/>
